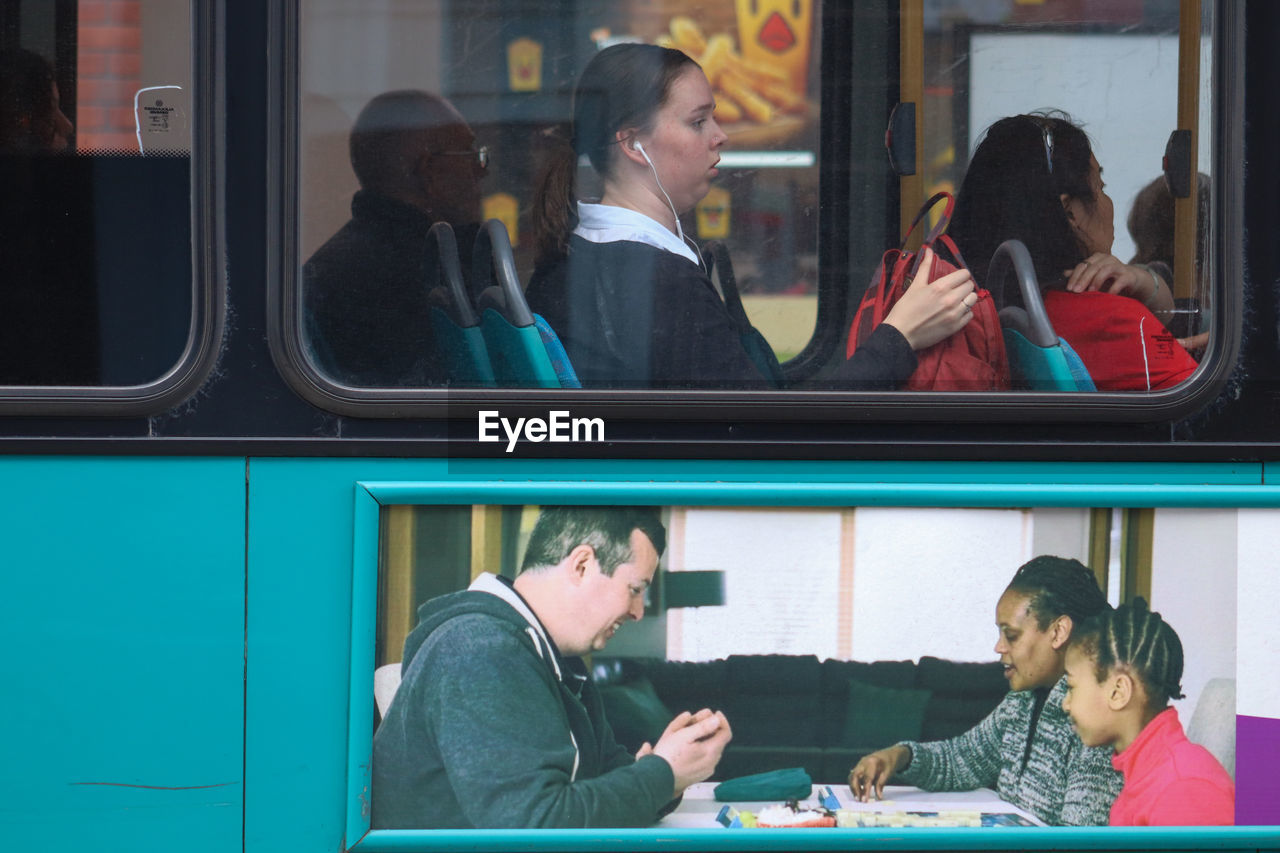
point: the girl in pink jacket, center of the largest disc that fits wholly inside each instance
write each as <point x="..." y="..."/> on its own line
<point x="1123" y="666"/>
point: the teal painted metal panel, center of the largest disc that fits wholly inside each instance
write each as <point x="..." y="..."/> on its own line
<point x="311" y="522"/>
<point x="728" y="840"/>
<point x="123" y="636"/>
<point x="827" y="494"/>
<point x="301" y="547"/>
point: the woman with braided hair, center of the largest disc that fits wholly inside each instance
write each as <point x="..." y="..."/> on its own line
<point x="1026" y="748"/>
<point x="1123" y="667"/>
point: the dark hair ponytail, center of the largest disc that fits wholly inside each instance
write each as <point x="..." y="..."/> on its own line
<point x="622" y="87"/>
<point x="554" y="214"/>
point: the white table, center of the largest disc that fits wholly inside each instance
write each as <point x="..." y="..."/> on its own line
<point x="699" y="808"/>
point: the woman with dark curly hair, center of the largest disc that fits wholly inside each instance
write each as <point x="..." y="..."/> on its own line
<point x="1034" y="178"/>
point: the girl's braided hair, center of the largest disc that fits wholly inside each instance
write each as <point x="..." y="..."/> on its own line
<point x="1133" y="638"/>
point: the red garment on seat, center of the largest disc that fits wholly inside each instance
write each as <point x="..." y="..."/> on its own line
<point x="1120" y="341"/>
<point x="1170" y="781"/>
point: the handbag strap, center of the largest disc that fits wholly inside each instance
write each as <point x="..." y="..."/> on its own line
<point x="937" y="234"/>
<point x="938" y="227"/>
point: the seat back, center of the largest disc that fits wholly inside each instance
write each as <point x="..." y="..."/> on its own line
<point x="1038" y="359"/>
<point x="556" y="352"/>
<point x="1213" y="722"/>
<point x="516" y="348"/>
<point x="455" y="327"/>
<point x="715" y="256"/>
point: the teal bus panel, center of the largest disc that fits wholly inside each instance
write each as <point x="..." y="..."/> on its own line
<point x="123" y="590"/>
<point x="312" y="557"/>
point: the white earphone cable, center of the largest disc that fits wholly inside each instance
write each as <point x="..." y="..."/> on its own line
<point x="679" y="229"/>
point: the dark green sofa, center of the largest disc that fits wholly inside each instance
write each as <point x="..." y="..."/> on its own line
<point x="797" y="711"/>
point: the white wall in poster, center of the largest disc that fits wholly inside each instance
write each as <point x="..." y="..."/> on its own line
<point x="926" y="581"/>
<point x="1257" y="630"/>
<point x="1193" y="587"/>
<point x="1122" y="87"/>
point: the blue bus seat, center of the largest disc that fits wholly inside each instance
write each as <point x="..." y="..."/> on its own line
<point x="715" y="256"/>
<point x="1039" y="360"/>
<point x="556" y="352"/>
<point x="455" y="329"/>
<point x="517" y="349"/>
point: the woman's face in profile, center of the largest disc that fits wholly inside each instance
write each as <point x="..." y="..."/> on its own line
<point x="1095" y="228"/>
<point x="685" y="142"/>
<point x="1028" y="652"/>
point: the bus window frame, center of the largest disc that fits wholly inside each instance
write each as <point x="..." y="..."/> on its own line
<point x="998" y="485"/>
<point x="208" y="273"/>
<point x="284" y="326"/>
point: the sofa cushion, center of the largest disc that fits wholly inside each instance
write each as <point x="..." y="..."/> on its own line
<point x="686" y="686"/>
<point x="635" y="713"/>
<point x="836" y="675"/>
<point x="963" y="694"/>
<point x="881" y="716"/>
<point x="966" y="679"/>
<point x="773" y="700"/>
<point x="774" y="674"/>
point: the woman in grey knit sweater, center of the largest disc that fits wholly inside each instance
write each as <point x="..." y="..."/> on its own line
<point x="1026" y="748"/>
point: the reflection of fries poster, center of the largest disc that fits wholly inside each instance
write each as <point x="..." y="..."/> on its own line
<point x="757" y="54"/>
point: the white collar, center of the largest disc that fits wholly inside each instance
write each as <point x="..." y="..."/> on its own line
<point x="488" y="582"/>
<point x="607" y="223"/>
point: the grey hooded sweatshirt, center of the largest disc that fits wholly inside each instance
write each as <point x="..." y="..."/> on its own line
<point x="492" y="728"/>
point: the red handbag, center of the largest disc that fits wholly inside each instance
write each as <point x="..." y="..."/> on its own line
<point x="973" y="359"/>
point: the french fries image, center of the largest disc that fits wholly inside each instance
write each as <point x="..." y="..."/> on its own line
<point x="744" y="89"/>
<point x="688" y="35"/>
<point x="717" y="58"/>
<point x="758" y="71"/>
<point x="727" y="111"/>
<point x="756" y="107"/>
<point x="782" y="97"/>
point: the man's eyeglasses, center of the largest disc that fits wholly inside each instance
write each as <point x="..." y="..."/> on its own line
<point x="480" y="154"/>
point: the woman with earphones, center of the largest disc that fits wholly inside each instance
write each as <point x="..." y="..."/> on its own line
<point x="623" y="286"/>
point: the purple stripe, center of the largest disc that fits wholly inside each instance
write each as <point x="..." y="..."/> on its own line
<point x="1257" y="771"/>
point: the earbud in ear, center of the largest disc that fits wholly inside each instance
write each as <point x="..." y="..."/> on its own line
<point x="636" y="146"/>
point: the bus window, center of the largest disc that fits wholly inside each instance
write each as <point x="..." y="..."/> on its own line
<point x="96" y="208"/>
<point x="380" y="140"/>
<point x="1129" y="75"/>
<point x="822" y="633"/>
<point x="803" y="202"/>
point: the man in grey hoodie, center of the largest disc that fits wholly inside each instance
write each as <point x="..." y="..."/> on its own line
<point x="496" y="723"/>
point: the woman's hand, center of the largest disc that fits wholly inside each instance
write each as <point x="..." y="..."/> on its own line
<point x="873" y="771"/>
<point x="931" y="311"/>
<point x="1109" y="274"/>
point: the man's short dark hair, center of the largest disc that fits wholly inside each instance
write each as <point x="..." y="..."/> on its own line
<point x="607" y="529"/>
